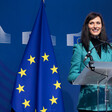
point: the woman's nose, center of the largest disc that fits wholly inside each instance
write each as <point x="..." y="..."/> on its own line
<point x="95" y="25"/>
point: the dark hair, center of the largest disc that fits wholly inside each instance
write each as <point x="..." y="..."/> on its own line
<point x="85" y="35"/>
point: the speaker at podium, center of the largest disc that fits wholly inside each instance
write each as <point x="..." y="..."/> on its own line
<point x="100" y="74"/>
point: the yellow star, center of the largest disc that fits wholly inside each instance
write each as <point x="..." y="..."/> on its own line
<point x="54" y="69"/>
<point x="22" y="72"/>
<point x="57" y="84"/>
<point x="31" y="60"/>
<point x="45" y="57"/>
<point x="26" y="103"/>
<point x="43" y="110"/>
<point x="53" y="100"/>
<point x="20" y="88"/>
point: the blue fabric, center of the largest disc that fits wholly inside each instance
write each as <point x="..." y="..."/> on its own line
<point x="40" y="91"/>
<point x="88" y="93"/>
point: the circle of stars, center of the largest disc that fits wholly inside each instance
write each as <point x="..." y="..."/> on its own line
<point x="23" y="73"/>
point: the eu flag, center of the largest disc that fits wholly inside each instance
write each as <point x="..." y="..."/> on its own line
<point x="37" y="87"/>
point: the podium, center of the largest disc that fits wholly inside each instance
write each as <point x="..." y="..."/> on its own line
<point x="101" y="75"/>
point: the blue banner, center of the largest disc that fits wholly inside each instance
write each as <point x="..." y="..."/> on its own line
<point x="38" y="87"/>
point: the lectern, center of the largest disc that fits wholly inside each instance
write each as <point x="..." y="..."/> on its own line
<point x="101" y="75"/>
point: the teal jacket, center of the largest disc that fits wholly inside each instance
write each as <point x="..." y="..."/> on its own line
<point x="88" y="93"/>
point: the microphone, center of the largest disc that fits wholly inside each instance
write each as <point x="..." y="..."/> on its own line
<point x="105" y="42"/>
<point x="89" y="53"/>
<point x="91" y="62"/>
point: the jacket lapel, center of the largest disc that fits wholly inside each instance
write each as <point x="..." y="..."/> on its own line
<point x="104" y="56"/>
<point x="94" y="53"/>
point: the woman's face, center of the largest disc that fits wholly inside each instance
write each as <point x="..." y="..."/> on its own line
<point x="95" y="26"/>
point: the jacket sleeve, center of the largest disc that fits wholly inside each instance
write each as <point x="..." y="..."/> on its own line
<point x="75" y="63"/>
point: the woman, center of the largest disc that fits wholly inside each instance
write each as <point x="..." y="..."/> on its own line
<point x="93" y="30"/>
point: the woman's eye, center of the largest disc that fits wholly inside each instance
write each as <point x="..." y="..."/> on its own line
<point x="98" y="23"/>
<point x="91" y="23"/>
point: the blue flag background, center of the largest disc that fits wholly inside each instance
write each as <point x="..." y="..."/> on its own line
<point x="37" y="82"/>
